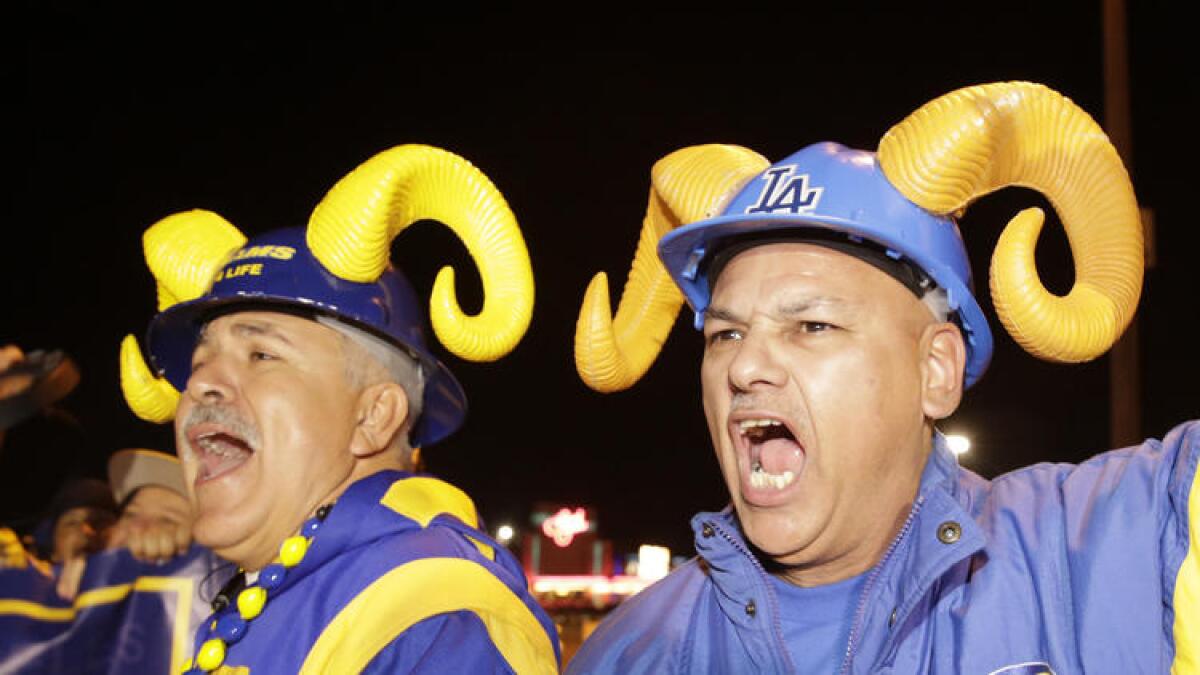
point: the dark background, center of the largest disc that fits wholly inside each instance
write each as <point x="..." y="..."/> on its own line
<point x="129" y="116"/>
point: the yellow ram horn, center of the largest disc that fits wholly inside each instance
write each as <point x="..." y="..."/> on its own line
<point x="183" y="252"/>
<point x="352" y="229"/>
<point x="979" y="139"/>
<point x="150" y="398"/>
<point x="686" y="185"/>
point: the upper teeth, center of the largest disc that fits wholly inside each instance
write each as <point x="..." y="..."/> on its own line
<point x="210" y="443"/>
<point x="750" y="424"/>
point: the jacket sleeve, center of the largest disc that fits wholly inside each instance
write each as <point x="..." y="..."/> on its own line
<point x="1133" y="542"/>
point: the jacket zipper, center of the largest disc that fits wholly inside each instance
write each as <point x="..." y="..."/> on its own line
<point x="770" y="593"/>
<point x="862" y="598"/>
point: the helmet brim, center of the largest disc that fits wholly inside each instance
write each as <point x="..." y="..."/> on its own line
<point x="173" y="334"/>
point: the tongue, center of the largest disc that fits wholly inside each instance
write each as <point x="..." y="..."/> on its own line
<point x="216" y="464"/>
<point x="780" y="454"/>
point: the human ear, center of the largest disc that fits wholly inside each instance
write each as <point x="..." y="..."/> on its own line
<point x="945" y="358"/>
<point x="381" y="413"/>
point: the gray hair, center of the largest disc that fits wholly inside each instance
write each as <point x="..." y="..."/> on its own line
<point x="382" y="361"/>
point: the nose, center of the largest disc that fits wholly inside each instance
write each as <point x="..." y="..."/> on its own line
<point x="755" y="365"/>
<point x="211" y="382"/>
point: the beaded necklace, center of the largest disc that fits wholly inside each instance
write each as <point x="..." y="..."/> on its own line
<point x="229" y="624"/>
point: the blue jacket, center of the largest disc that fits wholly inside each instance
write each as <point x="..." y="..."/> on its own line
<point x="1054" y="568"/>
<point x="398" y="580"/>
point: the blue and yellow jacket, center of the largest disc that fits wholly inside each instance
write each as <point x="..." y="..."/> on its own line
<point x="398" y="580"/>
<point x="1054" y="568"/>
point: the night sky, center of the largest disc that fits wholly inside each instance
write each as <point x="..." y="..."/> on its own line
<point x="128" y="118"/>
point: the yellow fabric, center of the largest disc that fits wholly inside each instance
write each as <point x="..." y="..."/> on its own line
<point x="12" y="552"/>
<point x="419" y="590"/>
<point x="351" y="231"/>
<point x="1187" y="594"/>
<point x="422" y="499"/>
<point x="181" y="586"/>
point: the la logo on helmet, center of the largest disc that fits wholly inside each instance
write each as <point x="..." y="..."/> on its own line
<point x="784" y="191"/>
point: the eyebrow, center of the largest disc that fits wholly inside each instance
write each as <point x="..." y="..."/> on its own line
<point x="785" y="309"/>
<point x="249" y="328"/>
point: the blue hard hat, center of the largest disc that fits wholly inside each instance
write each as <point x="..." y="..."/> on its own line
<point x="277" y="269"/>
<point x="830" y="187"/>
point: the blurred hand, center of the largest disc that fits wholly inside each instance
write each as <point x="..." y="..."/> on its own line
<point x="11" y="355"/>
<point x="69" y="577"/>
<point x="153" y="540"/>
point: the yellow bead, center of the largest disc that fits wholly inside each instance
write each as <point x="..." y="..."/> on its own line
<point x="212" y="653"/>
<point x="250" y="602"/>
<point x="187" y="665"/>
<point x="293" y="550"/>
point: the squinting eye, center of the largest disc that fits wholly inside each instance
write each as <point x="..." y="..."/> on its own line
<point x="816" y="327"/>
<point x="727" y="335"/>
<point x="261" y="356"/>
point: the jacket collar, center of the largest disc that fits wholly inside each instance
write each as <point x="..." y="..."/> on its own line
<point x="942" y="534"/>
<point x="380" y="505"/>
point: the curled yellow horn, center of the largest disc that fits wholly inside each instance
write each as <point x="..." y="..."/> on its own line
<point x="150" y="398"/>
<point x="352" y="228"/>
<point x="686" y="185"/>
<point x="183" y="252"/>
<point x="979" y="139"/>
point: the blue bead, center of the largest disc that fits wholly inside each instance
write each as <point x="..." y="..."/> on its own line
<point x="231" y="627"/>
<point x="310" y="527"/>
<point x="272" y="576"/>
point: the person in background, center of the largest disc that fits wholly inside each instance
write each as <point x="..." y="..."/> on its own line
<point x="77" y="524"/>
<point x="42" y="443"/>
<point x="155" y="521"/>
<point x="840" y="326"/>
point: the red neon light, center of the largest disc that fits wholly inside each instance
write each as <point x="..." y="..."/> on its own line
<point x="564" y="525"/>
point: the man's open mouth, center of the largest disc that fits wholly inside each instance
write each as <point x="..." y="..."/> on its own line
<point x="218" y="452"/>
<point x="776" y="457"/>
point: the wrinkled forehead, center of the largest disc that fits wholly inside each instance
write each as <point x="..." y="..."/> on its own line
<point x="297" y="328"/>
<point x="784" y="269"/>
<point x="823" y="245"/>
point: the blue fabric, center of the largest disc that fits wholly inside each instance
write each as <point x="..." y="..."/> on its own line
<point x="360" y="541"/>
<point x="132" y="634"/>
<point x="816" y="620"/>
<point x="1072" y="566"/>
<point x="432" y="645"/>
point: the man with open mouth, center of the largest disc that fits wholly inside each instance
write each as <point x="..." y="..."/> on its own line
<point x="836" y="302"/>
<point x="302" y="390"/>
